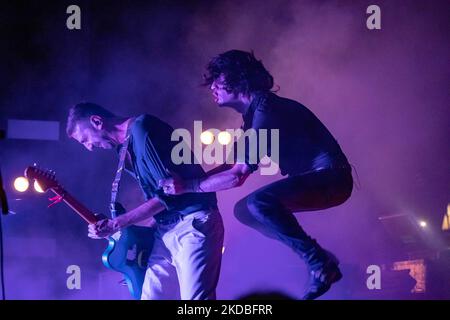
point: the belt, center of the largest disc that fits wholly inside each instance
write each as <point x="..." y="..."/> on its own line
<point x="171" y="219"/>
<point x="175" y="217"/>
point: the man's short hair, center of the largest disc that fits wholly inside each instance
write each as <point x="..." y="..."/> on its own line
<point x="82" y="112"/>
<point x="243" y="73"/>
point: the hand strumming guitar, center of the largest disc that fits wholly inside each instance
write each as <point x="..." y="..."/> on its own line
<point x="103" y="228"/>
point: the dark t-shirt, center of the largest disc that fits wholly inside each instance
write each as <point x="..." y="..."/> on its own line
<point x="305" y="143"/>
<point x="150" y="149"/>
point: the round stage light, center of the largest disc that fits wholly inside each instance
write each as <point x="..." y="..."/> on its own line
<point x="224" y="137"/>
<point x="21" y="184"/>
<point x="37" y="187"/>
<point x="422" y="223"/>
<point x="207" y="137"/>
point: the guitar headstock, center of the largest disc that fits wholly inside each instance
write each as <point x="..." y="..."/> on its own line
<point x="45" y="178"/>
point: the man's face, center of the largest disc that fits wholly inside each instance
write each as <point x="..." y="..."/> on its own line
<point x="221" y="96"/>
<point x="92" y="137"/>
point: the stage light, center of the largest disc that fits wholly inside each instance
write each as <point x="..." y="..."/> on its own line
<point x="207" y="137"/>
<point x="223" y="249"/>
<point x="37" y="187"/>
<point x="422" y="223"/>
<point x="446" y="221"/>
<point x="224" y="137"/>
<point x="21" y="184"/>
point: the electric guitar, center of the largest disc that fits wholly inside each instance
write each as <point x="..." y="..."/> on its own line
<point x="128" y="250"/>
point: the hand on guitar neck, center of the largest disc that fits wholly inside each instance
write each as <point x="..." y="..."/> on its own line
<point x="99" y="226"/>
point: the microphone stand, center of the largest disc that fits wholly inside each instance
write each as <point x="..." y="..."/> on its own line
<point x="5" y="211"/>
<point x="3" y="199"/>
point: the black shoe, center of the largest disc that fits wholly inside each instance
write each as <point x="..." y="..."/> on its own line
<point x="322" y="279"/>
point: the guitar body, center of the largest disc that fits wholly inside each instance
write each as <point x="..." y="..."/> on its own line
<point x="127" y="253"/>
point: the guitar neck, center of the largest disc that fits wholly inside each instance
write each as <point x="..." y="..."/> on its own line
<point x="77" y="206"/>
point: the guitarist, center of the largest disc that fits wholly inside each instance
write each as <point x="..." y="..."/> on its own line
<point x="186" y="255"/>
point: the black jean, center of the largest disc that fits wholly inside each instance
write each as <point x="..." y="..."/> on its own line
<point x="270" y="209"/>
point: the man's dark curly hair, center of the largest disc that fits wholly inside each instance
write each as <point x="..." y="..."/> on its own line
<point x="242" y="72"/>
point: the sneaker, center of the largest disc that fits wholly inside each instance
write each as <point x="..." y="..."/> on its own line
<point x="322" y="279"/>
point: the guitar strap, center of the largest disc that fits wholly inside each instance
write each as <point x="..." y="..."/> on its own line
<point x="120" y="167"/>
<point x="159" y="166"/>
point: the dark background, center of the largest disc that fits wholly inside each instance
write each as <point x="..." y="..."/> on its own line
<point x="382" y="93"/>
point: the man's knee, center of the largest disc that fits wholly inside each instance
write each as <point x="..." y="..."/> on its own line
<point x="261" y="204"/>
<point x="248" y="209"/>
<point x="260" y="200"/>
<point x="241" y="211"/>
<point x="257" y="206"/>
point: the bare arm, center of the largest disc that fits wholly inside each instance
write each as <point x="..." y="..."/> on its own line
<point x="149" y="222"/>
<point x="138" y="216"/>
<point x="221" y="168"/>
<point x="227" y="179"/>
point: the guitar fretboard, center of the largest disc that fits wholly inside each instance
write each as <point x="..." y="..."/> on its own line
<point x="77" y="206"/>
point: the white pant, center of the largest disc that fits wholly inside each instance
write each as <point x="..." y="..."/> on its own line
<point x="185" y="260"/>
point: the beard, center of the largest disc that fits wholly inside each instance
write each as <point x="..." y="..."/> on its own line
<point x="107" y="145"/>
<point x="106" y="142"/>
